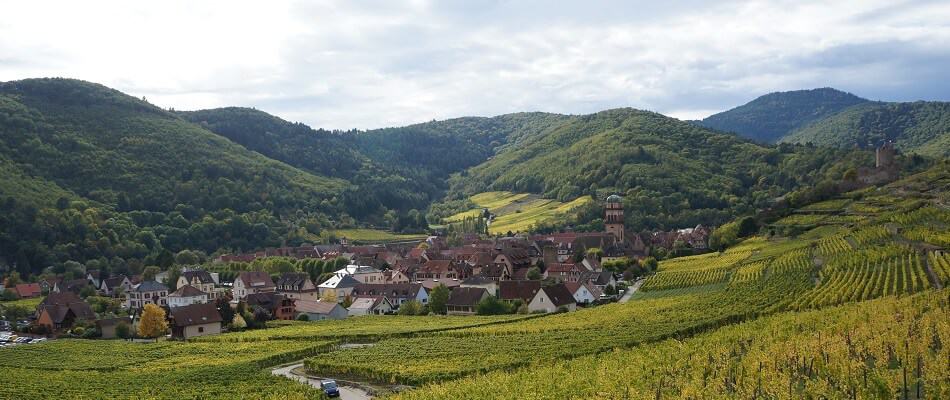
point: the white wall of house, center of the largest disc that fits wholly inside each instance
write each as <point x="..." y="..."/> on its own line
<point x="213" y="328"/>
<point x="541" y="302"/>
<point x="583" y="295"/>
<point x="175" y="301"/>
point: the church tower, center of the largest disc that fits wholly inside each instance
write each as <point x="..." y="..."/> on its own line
<point x="613" y="216"/>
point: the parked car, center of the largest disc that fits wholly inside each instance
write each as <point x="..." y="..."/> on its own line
<point x="329" y="388"/>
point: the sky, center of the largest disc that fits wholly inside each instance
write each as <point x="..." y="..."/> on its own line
<point x="373" y="64"/>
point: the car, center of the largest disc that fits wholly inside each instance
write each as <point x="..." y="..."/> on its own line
<point x="329" y="388"/>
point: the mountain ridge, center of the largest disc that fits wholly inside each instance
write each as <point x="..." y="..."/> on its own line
<point x="769" y="117"/>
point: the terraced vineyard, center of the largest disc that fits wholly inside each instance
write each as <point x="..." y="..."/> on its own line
<point x="877" y="349"/>
<point x="940" y="263"/>
<point x="517" y="212"/>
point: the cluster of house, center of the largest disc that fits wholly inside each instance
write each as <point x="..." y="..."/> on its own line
<point x="545" y="272"/>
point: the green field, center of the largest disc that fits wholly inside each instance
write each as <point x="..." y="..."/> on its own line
<point x="517" y="212"/>
<point x="361" y="235"/>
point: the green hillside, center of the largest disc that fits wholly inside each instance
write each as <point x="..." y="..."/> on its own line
<point x="398" y="169"/>
<point x="673" y="173"/>
<point x="770" y="117"/>
<point x="518" y="212"/>
<point x="920" y="127"/>
<point x="93" y="174"/>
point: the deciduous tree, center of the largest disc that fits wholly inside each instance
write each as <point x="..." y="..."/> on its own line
<point x="152" y="323"/>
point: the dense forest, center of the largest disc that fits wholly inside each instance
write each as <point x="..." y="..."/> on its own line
<point x="92" y="175"/>
<point x="922" y="127"/>
<point x="770" y="117"/>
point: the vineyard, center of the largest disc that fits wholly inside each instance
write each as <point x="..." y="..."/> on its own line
<point x="877" y="349"/>
<point x="116" y="369"/>
<point x="364" y="328"/>
<point x="855" y="307"/>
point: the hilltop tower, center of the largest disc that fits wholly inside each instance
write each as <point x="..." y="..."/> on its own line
<point x="885" y="155"/>
<point x="613" y="216"/>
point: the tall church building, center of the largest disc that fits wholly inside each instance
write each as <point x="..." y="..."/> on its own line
<point x="613" y="216"/>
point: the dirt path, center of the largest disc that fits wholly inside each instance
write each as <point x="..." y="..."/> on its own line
<point x="346" y="392"/>
<point x="930" y="272"/>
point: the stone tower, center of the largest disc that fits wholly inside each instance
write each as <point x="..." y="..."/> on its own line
<point x="885" y="155"/>
<point x="613" y="216"/>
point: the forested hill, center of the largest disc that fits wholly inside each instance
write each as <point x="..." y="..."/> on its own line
<point x="396" y="169"/>
<point x="921" y="127"/>
<point x="91" y="173"/>
<point x="770" y="117"/>
<point x="673" y="173"/>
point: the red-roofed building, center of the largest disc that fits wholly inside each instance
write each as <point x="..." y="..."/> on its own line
<point x="28" y="290"/>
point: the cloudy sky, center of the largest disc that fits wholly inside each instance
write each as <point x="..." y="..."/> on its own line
<point x="356" y="64"/>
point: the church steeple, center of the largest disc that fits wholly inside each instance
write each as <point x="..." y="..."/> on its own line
<point x="613" y="216"/>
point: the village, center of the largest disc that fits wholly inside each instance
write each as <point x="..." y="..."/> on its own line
<point x="541" y="273"/>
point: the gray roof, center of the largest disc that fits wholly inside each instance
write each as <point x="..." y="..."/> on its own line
<point x="150" y="286"/>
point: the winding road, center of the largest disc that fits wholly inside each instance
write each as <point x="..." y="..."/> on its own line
<point x="346" y="392"/>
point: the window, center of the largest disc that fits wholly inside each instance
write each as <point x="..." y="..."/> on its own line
<point x="201" y="329"/>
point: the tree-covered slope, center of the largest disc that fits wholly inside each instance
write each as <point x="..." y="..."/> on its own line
<point x="673" y="173"/>
<point x="112" y="148"/>
<point x="397" y="169"/>
<point x="922" y="127"/>
<point x="95" y="176"/>
<point x="772" y="116"/>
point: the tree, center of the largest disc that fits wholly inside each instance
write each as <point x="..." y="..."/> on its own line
<point x="149" y="273"/>
<point x="15" y="312"/>
<point x="303" y="317"/>
<point x="534" y="274"/>
<point x="7" y="295"/>
<point x="224" y="308"/>
<point x="173" y="274"/>
<point x="411" y="307"/>
<point x="238" y="323"/>
<point x="122" y="330"/>
<point x="13" y="279"/>
<point x="595" y="252"/>
<point x="650" y="264"/>
<point x="347" y="302"/>
<point x="186" y="257"/>
<point x="152" y="323"/>
<point x="440" y="295"/>
<point x="87" y="291"/>
<point x="491" y="306"/>
<point x="329" y="296"/>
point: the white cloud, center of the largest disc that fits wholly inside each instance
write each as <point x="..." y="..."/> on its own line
<point x="365" y="65"/>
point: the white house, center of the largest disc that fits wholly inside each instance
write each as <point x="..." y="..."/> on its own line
<point x="201" y="280"/>
<point x="370" y="305"/>
<point x="363" y="274"/>
<point x="397" y="293"/>
<point x="582" y="293"/>
<point x="340" y="285"/>
<point x="297" y="286"/>
<point x="195" y="320"/>
<point x="251" y="283"/>
<point x="148" y="292"/>
<point x="550" y="298"/>
<point x="186" y="296"/>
